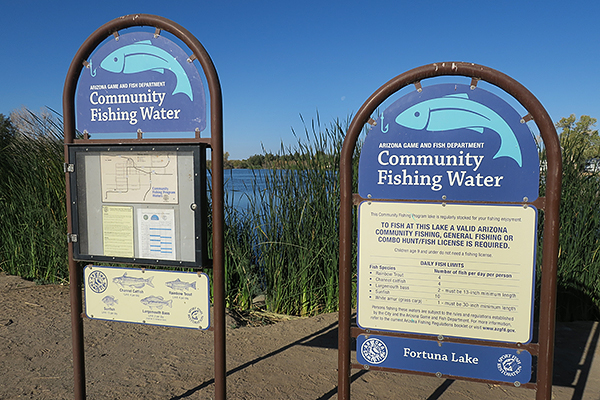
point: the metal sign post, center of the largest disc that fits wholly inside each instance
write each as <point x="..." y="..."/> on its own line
<point x="448" y="199"/>
<point x="135" y="201"/>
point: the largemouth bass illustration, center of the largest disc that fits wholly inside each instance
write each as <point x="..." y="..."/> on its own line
<point x="178" y="284"/>
<point x="132" y="281"/>
<point x="156" y="302"/>
<point x="457" y="111"/>
<point x="143" y="56"/>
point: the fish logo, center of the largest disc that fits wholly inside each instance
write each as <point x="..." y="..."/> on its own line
<point x="509" y="365"/>
<point x="457" y="111"/>
<point x="144" y="56"/>
<point x="178" y="284"/>
<point x="156" y="302"/>
<point x="132" y="281"/>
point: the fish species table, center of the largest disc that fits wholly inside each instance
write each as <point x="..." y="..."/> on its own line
<point x="455" y="270"/>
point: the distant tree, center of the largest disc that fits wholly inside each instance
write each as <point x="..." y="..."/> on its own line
<point x="255" y="161"/>
<point x="7" y="134"/>
<point x="270" y="160"/>
<point x="226" y="163"/>
<point x="578" y="139"/>
<point x="7" y="131"/>
<point x="236" y="164"/>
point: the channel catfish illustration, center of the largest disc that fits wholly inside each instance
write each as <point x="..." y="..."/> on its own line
<point x="156" y="302"/>
<point x="132" y="281"/>
<point x="178" y="284"/>
<point x="143" y="56"/>
<point x="457" y="111"/>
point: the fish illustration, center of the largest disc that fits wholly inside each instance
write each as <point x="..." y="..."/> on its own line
<point x="110" y="301"/>
<point x="143" y="56"/>
<point x="457" y="111"/>
<point x="178" y="284"/>
<point x="132" y="281"/>
<point x="156" y="302"/>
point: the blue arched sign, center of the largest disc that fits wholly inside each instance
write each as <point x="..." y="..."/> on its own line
<point x="140" y="81"/>
<point x="450" y="142"/>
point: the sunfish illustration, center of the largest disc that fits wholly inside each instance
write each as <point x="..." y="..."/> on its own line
<point x="143" y="56"/>
<point x="156" y="302"/>
<point x="457" y="111"/>
<point x="132" y="281"/>
<point x="178" y="284"/>
<point x="110" y="301"/>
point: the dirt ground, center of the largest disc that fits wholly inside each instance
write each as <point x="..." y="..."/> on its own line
<point x="294" y="359"/>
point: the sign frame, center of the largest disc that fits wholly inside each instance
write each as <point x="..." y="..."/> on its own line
<point x="214" y="142"/>
<point x="544" y="348"/>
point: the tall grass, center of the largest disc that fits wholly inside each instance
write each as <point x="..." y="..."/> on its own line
<point x="289" y="233"/>
<point x="32" y="199"/>
<point x="578" y="277"/>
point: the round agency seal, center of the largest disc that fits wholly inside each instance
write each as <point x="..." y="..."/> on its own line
<point x="195" y="315"/>
<point x="509" y="365"/>
<point x="97" y="281"/>
<point x="374" y="351"/>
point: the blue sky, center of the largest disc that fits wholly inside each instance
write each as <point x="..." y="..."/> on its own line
<point x="279" y="60"/>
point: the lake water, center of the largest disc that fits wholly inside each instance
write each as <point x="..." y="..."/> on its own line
<point x="240" y="185"/>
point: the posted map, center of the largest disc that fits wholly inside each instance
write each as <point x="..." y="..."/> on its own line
<point x="141" y="177"/>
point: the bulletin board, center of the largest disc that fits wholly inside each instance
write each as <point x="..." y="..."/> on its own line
<point x="139" y="204"/>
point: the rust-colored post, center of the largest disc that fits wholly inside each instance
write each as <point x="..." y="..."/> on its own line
<point x="547" y="320"/>
<point x="345" y="270"/>
<point x="75" y="294"/>
<point x="218" y="239"/>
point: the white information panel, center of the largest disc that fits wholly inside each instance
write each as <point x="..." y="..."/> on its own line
<point x="452" y="270"/>
<point x="153" y="297"/>
<point x="156" y="233"/>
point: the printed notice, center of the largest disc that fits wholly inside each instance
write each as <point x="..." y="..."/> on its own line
<point x="142" y="177"/>
<point x="454" y="270"/>
<point x="156" y="233"/>
<point x="117" y="231"/>
<point x="152" y="297"/>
